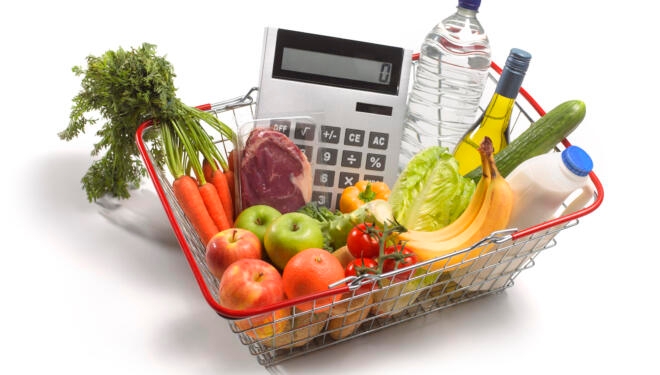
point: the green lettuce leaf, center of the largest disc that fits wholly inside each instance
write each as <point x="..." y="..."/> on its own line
<point x="430" y="193"/>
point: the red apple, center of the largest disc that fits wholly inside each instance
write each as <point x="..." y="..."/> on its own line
<point x="254" y="283"/>
<point x="230" y="245"/>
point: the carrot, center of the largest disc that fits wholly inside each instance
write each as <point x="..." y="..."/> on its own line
<point x="219" y="180"/>
<point x="214" y="206"/>
<point x="208" y="169"/>
<point x="229" y="175"/>
<point x="189" y="196"/>
<point x="215" y="176"/>
<point x="231" y="162"/>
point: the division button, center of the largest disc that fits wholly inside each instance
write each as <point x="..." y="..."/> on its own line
<point x="351" y="159"/>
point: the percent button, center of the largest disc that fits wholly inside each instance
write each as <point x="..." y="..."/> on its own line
<point x="375" y="162"/>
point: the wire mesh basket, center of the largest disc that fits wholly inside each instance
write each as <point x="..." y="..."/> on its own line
<point x="368" y="303"/>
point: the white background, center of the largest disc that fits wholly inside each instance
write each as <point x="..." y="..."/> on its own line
<point x="82" y="295"/>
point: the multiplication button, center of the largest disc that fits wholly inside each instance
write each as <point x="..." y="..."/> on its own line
<point x="347" y="179"/>
<point x="351" y="159"/>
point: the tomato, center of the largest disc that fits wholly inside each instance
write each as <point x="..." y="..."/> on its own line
<point x="397" y="257"/>
<point x="361" y="266"/>
<point x="363" y="241"/>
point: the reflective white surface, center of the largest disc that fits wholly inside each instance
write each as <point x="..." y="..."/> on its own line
<point x="81" y="294"/>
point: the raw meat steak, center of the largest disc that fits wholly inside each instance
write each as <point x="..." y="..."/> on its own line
<point x="274" y="172"/>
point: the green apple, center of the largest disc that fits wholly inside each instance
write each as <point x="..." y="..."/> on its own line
<point x="289" y="234"/>
<point x="256" y="219"/>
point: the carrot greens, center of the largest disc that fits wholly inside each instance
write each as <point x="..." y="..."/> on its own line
<point x="126" y="88"/>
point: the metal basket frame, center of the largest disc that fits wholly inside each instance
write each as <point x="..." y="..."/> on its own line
<point x="368" y="303"/>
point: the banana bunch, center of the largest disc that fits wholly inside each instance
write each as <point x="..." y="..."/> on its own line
<point x="489" y="210"/>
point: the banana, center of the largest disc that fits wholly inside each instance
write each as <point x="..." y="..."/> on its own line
<point x="493" y="215"/>
<point x="464" y="220"/>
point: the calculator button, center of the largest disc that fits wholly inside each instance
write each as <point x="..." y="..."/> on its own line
<point x="307" y="150"/>
<point x="337" y="201"/>
<point x="347" y="179"/>
<point x="304" y="131"/>
<point x="322" y="198"/>
<point x="326" y="156"/>
<point x="282" y="126"/>
<point x="378" y="140"/>
<point x="330" y="134"/>
<point x="373" y="178"/>
<point x="375" y="162"/>
<point x="351" y="159"/>
<point x="354" y="137"/>
<point x="323" y="177"/>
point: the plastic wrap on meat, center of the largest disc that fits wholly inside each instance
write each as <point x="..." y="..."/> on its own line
<point x="274" y="171"/>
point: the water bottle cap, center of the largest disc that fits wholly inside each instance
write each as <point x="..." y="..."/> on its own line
<point x="518" y="60"/>
<point x="469" y="4"/>
<point x="577" y="160"/>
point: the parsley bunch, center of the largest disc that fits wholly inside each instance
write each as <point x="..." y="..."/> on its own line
<point x="126" y="88"/>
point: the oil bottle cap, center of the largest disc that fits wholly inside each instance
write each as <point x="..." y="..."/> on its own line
<point x="513" y="73"/>
<point x="577" y="160"/>
<point x="469" y="4"/>
<point x="518" y="60"/>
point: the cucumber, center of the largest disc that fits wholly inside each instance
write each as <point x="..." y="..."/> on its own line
<point x="541" y="137"/>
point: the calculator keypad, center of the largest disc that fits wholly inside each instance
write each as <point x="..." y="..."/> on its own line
<point x="340" y="156"/>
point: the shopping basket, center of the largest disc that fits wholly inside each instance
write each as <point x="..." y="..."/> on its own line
<point x="367" y="303"/>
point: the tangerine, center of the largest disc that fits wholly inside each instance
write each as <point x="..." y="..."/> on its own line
<point x="312" y="271"/>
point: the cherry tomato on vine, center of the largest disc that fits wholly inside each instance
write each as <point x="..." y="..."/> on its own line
<point x="363" y="241"/>
<point x="361" y="266"/>
<point x="397" y="257"/>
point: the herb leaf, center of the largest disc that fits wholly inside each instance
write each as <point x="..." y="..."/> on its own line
<point x="125" y="88"/>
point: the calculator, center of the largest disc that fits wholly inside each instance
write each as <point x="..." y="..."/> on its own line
<point x="341" y="101"/>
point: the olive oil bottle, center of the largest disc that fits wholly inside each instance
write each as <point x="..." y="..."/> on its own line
<point x="494" y="122"/>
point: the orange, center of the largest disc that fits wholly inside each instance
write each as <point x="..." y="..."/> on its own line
<point x="312" y="271"/>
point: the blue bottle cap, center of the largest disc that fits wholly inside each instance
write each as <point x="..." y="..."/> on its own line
<point x="518" y="60"/>
<point x="577" y="160"/>
<point x="469" y="4"/>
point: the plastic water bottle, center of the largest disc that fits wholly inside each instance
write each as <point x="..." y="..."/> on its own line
<point x="448" y="84"/>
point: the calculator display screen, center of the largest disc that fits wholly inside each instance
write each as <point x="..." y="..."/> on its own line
<point x="343" y="67"/>
<point x="337" y="62"/>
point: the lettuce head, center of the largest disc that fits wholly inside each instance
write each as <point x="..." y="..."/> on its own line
<point x="430" y="193"/>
